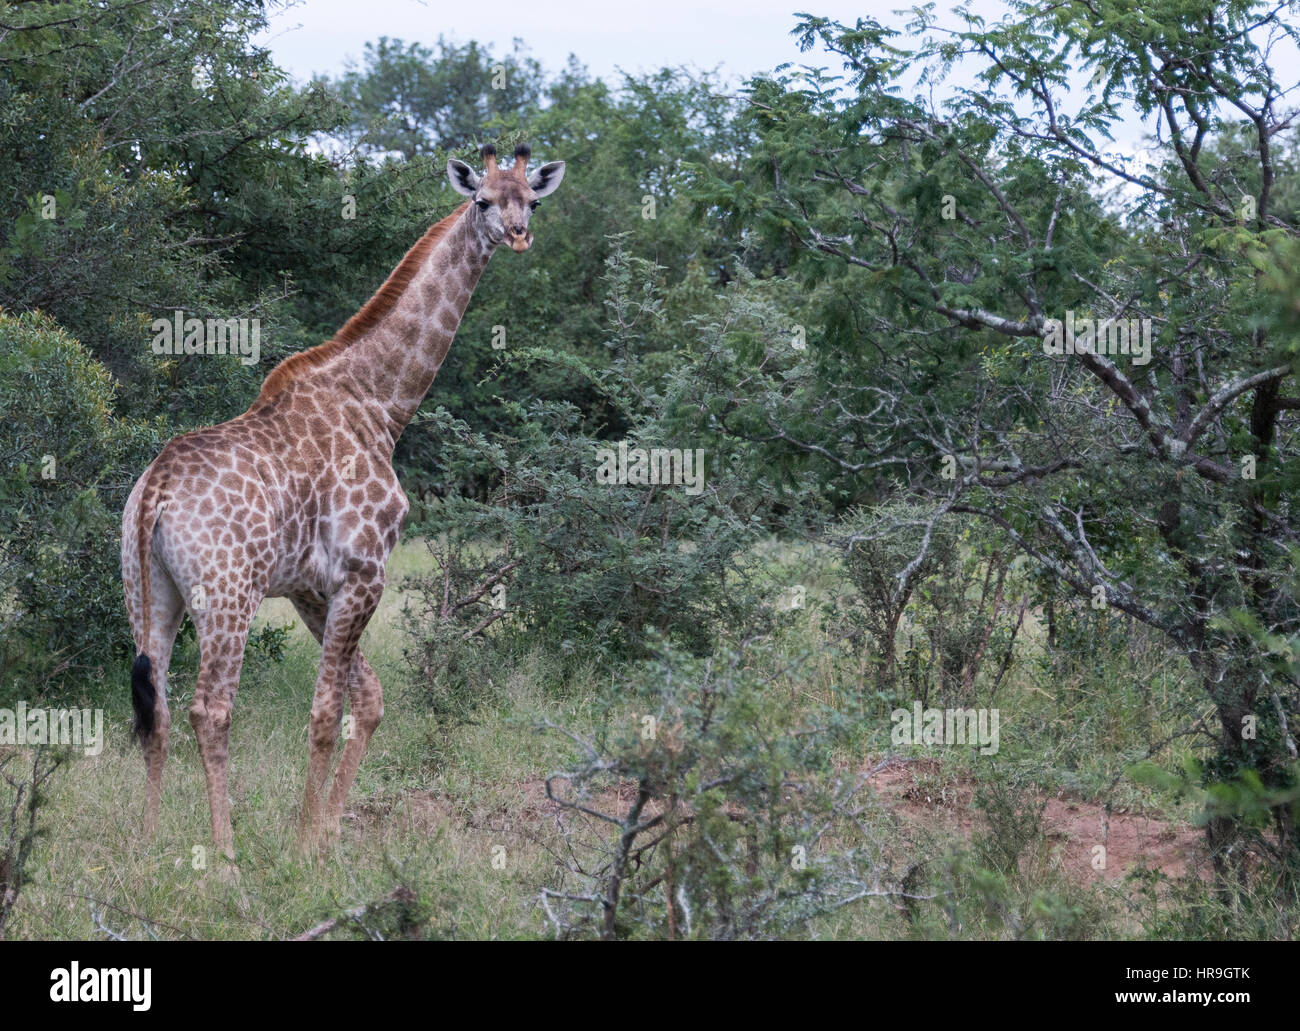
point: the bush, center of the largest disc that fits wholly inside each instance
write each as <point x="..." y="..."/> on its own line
<point x="1008" y="882"/>
<point x="944" y="583"/>
<point x="67" y="467"/>
<point x="595" y="567"/>
<point x="714" y="811"/>
<point x="24" y="777"/>
<point x="450" y="661"/>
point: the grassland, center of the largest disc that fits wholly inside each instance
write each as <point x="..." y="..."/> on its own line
<point x="458" y="817"/>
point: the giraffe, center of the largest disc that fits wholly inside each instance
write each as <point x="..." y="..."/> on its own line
<point x="297" y="498"/>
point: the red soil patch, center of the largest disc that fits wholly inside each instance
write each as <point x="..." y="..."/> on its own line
<point x="911" y="790"/>
<point x="1076" y="828"/>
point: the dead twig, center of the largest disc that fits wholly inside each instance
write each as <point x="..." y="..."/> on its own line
<point x="355" y="914"/>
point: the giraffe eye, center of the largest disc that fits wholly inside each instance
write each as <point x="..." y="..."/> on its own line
<point x="482" y="205"/>
<point x="534" y="204"/>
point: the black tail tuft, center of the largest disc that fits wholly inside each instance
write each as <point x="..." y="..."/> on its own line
<point x="143" y="696"/>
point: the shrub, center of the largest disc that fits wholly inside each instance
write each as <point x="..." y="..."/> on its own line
<point x="715" y="811"/>
<point x="446" y="614"/>
<point x="596" y="567"/>
<point x="66" y="468"/>
<point x="944" y="583"/>
<point x="24" y="775"/>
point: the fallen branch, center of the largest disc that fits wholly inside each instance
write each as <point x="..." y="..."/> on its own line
<point x="355" y="914"/>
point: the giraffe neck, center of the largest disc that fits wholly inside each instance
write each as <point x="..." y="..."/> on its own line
<point x="392" y="366"/>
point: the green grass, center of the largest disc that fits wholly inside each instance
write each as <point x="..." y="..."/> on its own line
<point x="433" y="826"/>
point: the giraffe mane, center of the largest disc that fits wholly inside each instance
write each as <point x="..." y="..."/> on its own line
<point x="380" y="303"/>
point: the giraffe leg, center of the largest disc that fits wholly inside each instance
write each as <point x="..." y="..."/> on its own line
<point x="349" y="612"/>
<point x="367" y="701"/>
<point x="168" y="610"/>
<point x="314" y="613"/>
<point x="222" y="637"/>
<point x="366" y="698"/>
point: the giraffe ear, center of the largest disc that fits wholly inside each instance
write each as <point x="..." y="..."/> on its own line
<point x="462" y="178"/>
<point x="546" y="178"/>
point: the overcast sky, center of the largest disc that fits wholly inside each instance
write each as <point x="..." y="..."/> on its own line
<point x="738" y="37"/>
<point x="742" y="36"/>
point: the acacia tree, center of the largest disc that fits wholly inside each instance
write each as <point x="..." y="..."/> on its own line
<point x="411" y="99"/>
<point x="942" y="239"/>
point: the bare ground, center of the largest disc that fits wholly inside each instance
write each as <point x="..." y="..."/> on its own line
<point x="911" y="790"/>
<point x="1075" y="827"/>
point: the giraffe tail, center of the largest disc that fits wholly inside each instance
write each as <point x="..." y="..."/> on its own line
<point x="144" y="694"/>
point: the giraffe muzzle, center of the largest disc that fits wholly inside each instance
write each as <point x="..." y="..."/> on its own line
<point x="520" y="242"/>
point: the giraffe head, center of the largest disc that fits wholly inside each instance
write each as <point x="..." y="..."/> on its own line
<point x="504" y="200"/>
